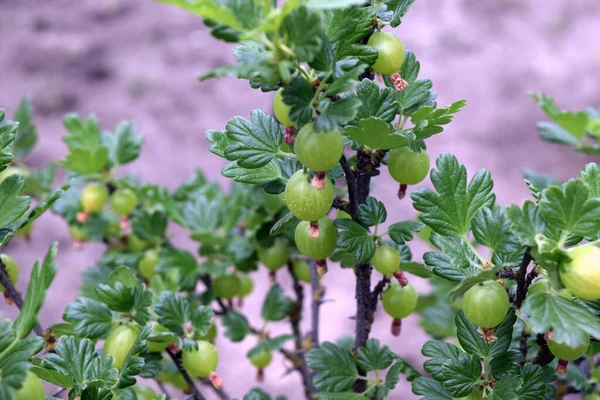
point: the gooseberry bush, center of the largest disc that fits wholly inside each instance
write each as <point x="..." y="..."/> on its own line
<point x="513" y="310"/>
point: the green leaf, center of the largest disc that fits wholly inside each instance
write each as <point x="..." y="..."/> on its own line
<point x="124" y="144"/>
<point x="491" y="228"/>
<point x="570" y="321"/>
<point x="91" y="318"/>
<point x="276" y="305"/>
<point x="428" y="121"/>
<point x="399" y="8"/>
<point x="267" y="173"/>
<point x="462" y="375"/>
<point x="298" y="95"/>
<point x="39" y="181"/>
<point x="269" y="345"/>
<point x="440" y="353"/>
<point x="527" y="222"/>
<point x="301" y="31"/>
<point x="255" y="142"/>
<point x="42" y="275"/>
<point x="209" y="9"/>
<point x="506" y="388"/>
<point x="376" y="102"/>
<point x="181" y="262"/>
<point x="27" y="136"/>
<point x="12" y="206"/>
<point x="372" y="212"/>
<point x="402" y="232"/>
<point x="355" y="239"/>
<point x="538" y="181"/>
<point x="237" y="326"/>
<point x="173" y="311"/>
<point x="432" y="390"/>
<point x="282" y="224"/>
<point x="132" y="365"/>
<point x="16" y="355"/>
<point x="591" y="176"/>
<point x="574" y="123"/>
<point x="506" y="364"/>
<point x="54" y="377"/>
<point x="335" y="367"/>
<point x="123" y="275"/>
<point x="202" y="320"/>
<point x="472" y="342"/>
<point x="536" y="383"/>
<point x="87" y="153"/>
<point x="455" y="263"/>
<point x="336" y="113"/>
<point x="202" y="215"/>
<point x="375" y="133"/>
<point x="8" y="132"/>
<point x="570" y="208"/>
<point x="450" y="211"/>
<point x="546" y="103"/>
<point x="418" y="93"/>
<point x="78" y="359"/>
<point x="374" y="356"/>
<point x="348" y="26"/>
<point x="149" y="224"/>
<point x="555" y="134"/>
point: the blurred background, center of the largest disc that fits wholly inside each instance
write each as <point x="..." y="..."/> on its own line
<point x="138" y="60"/>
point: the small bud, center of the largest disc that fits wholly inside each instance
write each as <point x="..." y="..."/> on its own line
<point x="561" y="367"/>
<point x="82" y="216"/>
<point x="401" y="278"/>
<point x="216" y="380"/>
<point x="396" y="327"/>
<point x="402" y="191"/>
<point x="313" y="231"/>
<point x="318" y="181"/>
<point x="260" y="375"/>
<point x="288" y="135"/>
<point x="399" y="83"/>
<point x="488" y="335"/>
<point x="321" y="267"/>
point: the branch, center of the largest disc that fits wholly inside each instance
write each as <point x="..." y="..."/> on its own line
<point x="317" y="294"/>
<point x="196" y="395"/>
<point x="163" y="388"/>
<point x="523" y="346"/>
<point x="522" y="281"/>
<point x="544" y="356"/>
<point x="295" y="318"/>
<point x="14" y="295"/>
<point x="222" y="394"/>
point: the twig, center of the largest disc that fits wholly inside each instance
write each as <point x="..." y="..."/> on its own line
<point x="316" y="294"/>
<point x="14" y="295"/>
<point x="295" y="318"/>
<point x="522" y="282"/>
<point x="163" y="388"/>
<point x="220" y="392"/>
<point x="523" y="347"/>
<point x="58" y="391"/>
<point x="377" y="291"/>
<point x="544" y="356"/>
<point x="196" y="395"/>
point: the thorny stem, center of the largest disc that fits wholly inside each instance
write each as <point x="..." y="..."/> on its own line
<point x="13" y="295"/>
<point x="295" y="318"/>
<point x="358" y="180"/>
<point x="522" y="281"/>
<point x="196" y="395"/>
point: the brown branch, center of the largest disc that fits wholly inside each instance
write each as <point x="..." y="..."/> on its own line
<point x="220" y="392"/>
<point x="163" y="388"/>
<point x="544" y="356"/>
<point x="295" y="318"/>
<point x="317" y="294"/>
<point x="523" y="346"/>
<point x="522" y="281"/>
<point x="12" y="293"/>
<point x="196" y="395"/>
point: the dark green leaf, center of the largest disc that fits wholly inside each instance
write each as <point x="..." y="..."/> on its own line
<point x="132" y="365"/>
<point x="173" y="311"/>
<point x="462" y="375"/>
<point x="527" y="222"/>
<point x="399" y="8"/>
<point x="124" y="143"/>
<point x="91" y="318"/>
<point x="276" y="305"/>
<point x="336" y="113"/>
<point x="149" y="224"/>
<point x="432" y="390"/>
<point x="402" y="232"/>
<point x="591" y="176"/>
<point x="301" y="31"/>
<point x="429" y="121"/>
<point x="440" y="353"/>
<point x="12" y="206"/>
<point x="450" y="211"/>
<point x="372" y="212"/>
<point x="264" y="174"/>
<point x="375" y="133"/>
<point x="283" y="223"/>
<point x="355" y="239"/>
<point x="374" y="356"/>
<point x="27" y="134"/>
<point x="376" y="102"/>
<point x="335" y="367"/>
<point x="237" y="326"/>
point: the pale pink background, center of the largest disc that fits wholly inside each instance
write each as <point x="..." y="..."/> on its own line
<point x="138" y="60"/>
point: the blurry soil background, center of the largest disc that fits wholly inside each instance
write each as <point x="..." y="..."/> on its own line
<point x="138" y="60"/>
